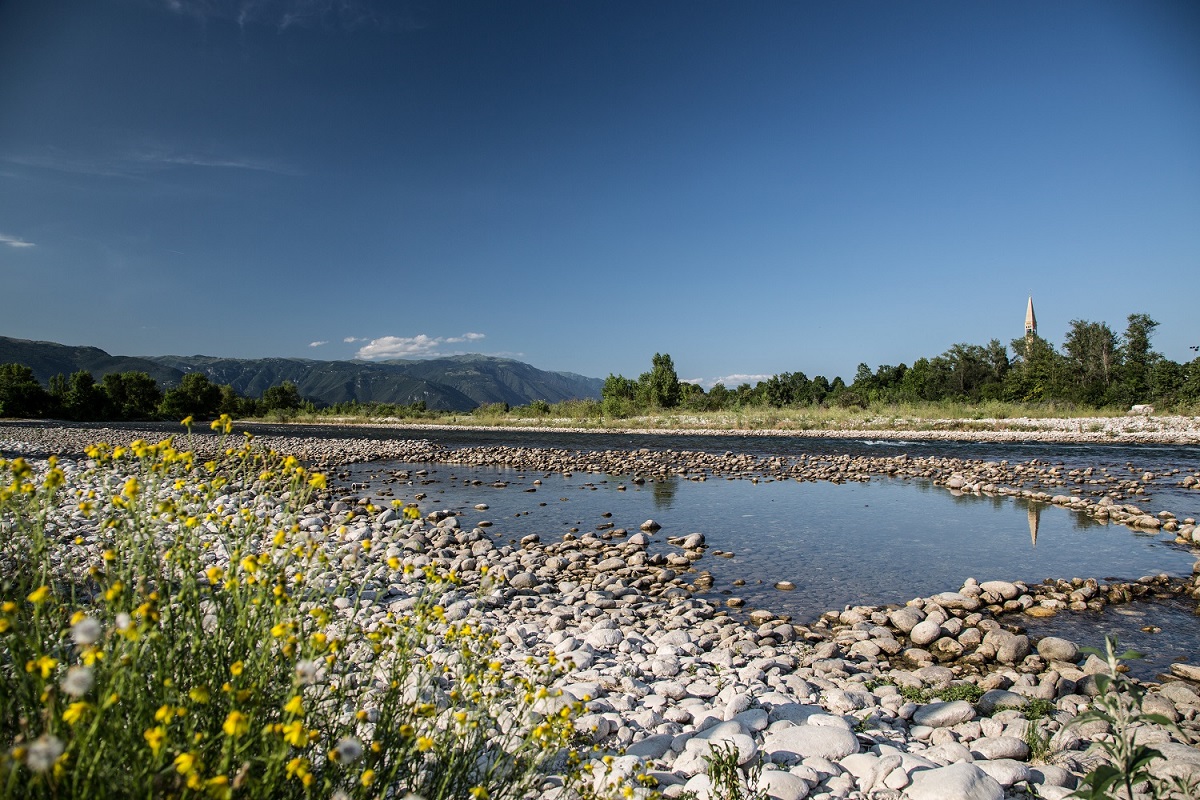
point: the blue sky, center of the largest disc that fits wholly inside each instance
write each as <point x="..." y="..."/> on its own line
<point x="753" y="188"/>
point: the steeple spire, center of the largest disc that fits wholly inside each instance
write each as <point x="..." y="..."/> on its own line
<point x="1030" y="319"/>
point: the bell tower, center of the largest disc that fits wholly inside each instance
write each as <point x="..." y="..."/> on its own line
<point x="1030" y="320"/>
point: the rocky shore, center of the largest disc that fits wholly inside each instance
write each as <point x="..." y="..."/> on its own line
<point x="937" y="697"/>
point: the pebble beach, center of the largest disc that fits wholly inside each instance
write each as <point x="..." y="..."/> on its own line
<point x="942" y="696"/>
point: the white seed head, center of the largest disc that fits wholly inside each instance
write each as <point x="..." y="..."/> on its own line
<point x="78" y="681"/>
<point x="43" y="752"/>
<point x="87" y="631"/>
<point x="306" y="671"/>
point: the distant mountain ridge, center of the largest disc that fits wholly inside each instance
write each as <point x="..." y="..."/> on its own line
<point x="456" y="383"/>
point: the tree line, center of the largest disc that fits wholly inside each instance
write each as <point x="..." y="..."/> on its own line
<point x="134" y="396"/>
<point x="1095" y="368"/>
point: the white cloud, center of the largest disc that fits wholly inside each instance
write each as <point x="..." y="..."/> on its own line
<point x="419" y="346"/>
<point x="316" y="344"/>
<point x="353" y="339"/>
<point x="732" y="381"/>
<point x="14" y="241"/>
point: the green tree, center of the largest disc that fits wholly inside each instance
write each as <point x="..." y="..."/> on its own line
<point x="284" y="397"/>
<point x="195" y="396"/>
<point x="692" y="397"/>
<point x="132" y="395"/>
<point x="84" y="399"/>
<point x="20" y="393"/>
<point x="1090" y="360"/>
<point x="618" y="396"/>
<point x="719" y="398"/>
<point x="660" y="386"/>
<point x="1137" y="358"/>
<point x="1036" y="374"/>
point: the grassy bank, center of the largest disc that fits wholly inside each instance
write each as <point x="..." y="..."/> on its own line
<point x="900" y="417"/>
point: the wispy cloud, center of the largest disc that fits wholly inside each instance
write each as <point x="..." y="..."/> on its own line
<point x="59" y="162"/>
<point x="353" y="339"/>
<point x="316" y="344"/>
<point x="284" y="14"/>
<point x="419" y="346"/>
<point x="14" y="241"/>
<point x="167" y="158"/>
<point x="144" y="162"/>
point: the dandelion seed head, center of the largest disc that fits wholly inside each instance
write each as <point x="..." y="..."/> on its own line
<point x="43" y="752"/>
<point x="86" y="631"/>
<point x="78" y="681"/>
<point x="306" y="671"/>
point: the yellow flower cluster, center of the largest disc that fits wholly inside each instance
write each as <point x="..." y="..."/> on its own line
<point x="207" y="630"/>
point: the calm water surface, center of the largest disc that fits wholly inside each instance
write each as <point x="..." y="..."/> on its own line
<point x="881" y="542"/>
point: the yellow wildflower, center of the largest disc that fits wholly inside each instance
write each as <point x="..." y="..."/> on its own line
<point x="295" y="706"/>
<point x="295" y="734"/>
<point x="76" y="712"/>
<point x="154" y="737"/>
<point x="298" y="768"/>
<point x="199" y="694"/>
<point x="186" y="763"/>
<point x="236" y="724"/>
<point x="236" y="668"/>
<point x="39" y="595"/>
<point x="368" y="777"/>
<point x="424" y="744"/>
<point x="43" y="664"/>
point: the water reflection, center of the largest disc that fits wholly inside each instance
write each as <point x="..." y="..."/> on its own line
<point x="876" y="542"/>
<point x="664" y="492"/>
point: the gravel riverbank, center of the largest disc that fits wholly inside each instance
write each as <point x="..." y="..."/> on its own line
<point x="936" y="697"/>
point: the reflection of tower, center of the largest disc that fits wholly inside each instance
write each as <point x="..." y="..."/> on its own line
<point x="1035" y="516"/>
<point x="1030" y="320"/>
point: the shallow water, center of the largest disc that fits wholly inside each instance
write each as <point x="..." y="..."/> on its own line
<point x="856" y="543"/>
<point x="881" y="542"/>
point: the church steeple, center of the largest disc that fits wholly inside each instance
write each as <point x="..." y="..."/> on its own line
<point x="1030" y="319"/>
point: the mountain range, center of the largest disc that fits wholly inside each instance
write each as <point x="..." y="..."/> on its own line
<point x="456" y="383"/>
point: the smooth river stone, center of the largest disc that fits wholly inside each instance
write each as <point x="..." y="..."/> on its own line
<point x="925" y="632"/>
<point x="996" y="747"/>
<point x="991" y="700"/>
<point x="905" y="619"/>
<point x="793" y="745"/>
<point x="944" y="715"/>
<point x="1054" y="648"/>
<point x="782" y="785"/>
<point x="961" y="781"/>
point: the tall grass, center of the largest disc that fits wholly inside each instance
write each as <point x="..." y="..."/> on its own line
<point x="942" y="415"/>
